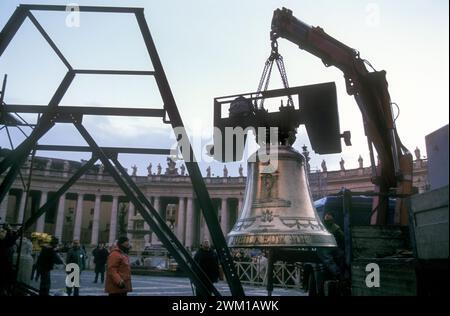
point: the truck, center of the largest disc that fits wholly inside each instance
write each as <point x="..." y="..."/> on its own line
<point x="351" y="212"/>
<point x="361" y="207"/>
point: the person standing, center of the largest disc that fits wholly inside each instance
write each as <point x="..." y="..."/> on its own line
<point x="7" y="240"/>
<point x="100" y="254"/>
<point x="334" y="229"/>
<point x="118" y="275"/>
<point x="46" y="260"/>
<point x="207" y="260"/>
<point x="75" y="255"/>
<point x="85" y="258"/>
<point x="333" y="258"/>
<point x="34" y="272"/>
<point x="262" y="264"/>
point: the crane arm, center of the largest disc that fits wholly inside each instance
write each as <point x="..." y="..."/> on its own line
<point x="370" y="90"/>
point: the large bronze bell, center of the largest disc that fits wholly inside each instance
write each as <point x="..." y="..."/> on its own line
<point x="278" y="210"/>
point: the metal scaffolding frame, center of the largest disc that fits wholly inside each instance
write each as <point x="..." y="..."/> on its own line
<point x="53" y="113"/>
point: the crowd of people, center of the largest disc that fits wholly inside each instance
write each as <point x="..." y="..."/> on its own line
<point x="113" y="261"/>
<point x="241" y="255"/>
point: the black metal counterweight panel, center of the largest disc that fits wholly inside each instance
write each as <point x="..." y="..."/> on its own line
<point x="319" y="105"/>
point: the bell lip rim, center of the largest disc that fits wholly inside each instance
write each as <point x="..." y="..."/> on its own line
<point x="283" y="247"/>
<point x="233" y="235"/>
<point x="237" y="234"/>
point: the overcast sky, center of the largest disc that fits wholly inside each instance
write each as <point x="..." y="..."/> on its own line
<point x="216" y="48"/>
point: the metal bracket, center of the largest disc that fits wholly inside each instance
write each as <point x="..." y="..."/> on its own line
<point x="61" y="117"/>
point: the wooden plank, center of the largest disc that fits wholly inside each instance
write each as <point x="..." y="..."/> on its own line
<point x="397" y="277"/>
<point x="430" y="220"/>
<point x="378" y="241"/>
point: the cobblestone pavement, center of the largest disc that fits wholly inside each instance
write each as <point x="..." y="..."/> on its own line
<point x="155" y="286"/>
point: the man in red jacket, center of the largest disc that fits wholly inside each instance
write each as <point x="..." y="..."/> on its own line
<point x="118" y="275"/>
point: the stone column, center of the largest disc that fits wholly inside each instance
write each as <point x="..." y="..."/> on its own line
<point x="240" y="205"/>
<point x="47" y="167"/>
<point x="202" y="227"/>
<point x="40" y="225"/>
<point x="100" y="173"/>
<point x="4" y="208"/>
<point x="204" y="232"/>
<point x="130" y="219"/>
<point x="78" y="217"/>
<point x="147" y="227"/>
<point x="66" y="169"/>
<point x="189" y="223"/>
<point x="60" y="217"/>
<point x="157" y="206"/>
<point x="113" y="221"/>
<point x="21" y="207"/>
<point x="181" y="220"/>
<point x="27" y="165"/>
<point x="96" y="220"/>
<point x="224" y="216"/>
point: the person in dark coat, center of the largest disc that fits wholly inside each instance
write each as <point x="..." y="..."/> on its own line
<point x="334" y="229"/>
<point x="207" y="260"/>
<point x="333" y="258"/>
<point x="75" y="255"/>
<point x="85" y="257"/>
<point x="100" y="255"/>
<point x="34" y="272"/>
<point x="7" y="241"/>
<point x="45" y="263"/>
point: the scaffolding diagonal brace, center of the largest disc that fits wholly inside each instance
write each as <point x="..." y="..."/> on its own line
<point x="161" y="225"/>
<point x="11" y="28"/>
<point x="55" y="197"/>
<point x="9" y="179"/>
<point x="165" y="235"/>
<point x="201" y="191"/>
